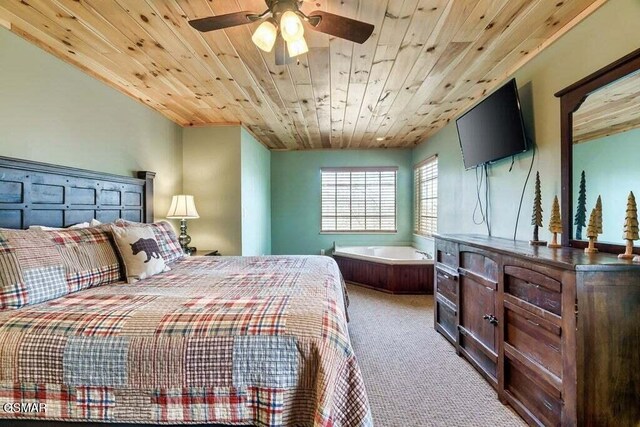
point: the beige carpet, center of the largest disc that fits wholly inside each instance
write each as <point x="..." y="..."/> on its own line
<point x="413" y="376"/>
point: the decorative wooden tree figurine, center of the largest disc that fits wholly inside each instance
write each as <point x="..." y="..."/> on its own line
<point x="630" y="227"/>
<point x="555" y="223"/>
<point x="536" y="218"/>
<point x="599" y="214"/>
<point x="581" y="211"/>
<point x="595" y="227"/>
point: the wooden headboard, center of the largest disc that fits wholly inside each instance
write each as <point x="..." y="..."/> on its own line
<point x="34" y="193"/>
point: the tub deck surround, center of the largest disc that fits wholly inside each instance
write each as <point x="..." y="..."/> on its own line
<point x="391" y="269"/>
<point x="386" y="254"/>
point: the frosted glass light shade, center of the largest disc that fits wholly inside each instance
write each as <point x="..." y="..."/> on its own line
<point x="297" y="47"/>
<point x="182" y="207"/>
<point x="265" y="36"/>
<point x="291" y="26"/>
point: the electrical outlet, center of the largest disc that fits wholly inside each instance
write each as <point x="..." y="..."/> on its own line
<point x="321" y="251"/>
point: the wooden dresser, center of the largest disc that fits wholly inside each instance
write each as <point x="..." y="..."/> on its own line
<point x="555" y="331"/>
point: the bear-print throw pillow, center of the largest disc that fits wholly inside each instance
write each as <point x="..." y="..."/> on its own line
<point x="140" y="252"/>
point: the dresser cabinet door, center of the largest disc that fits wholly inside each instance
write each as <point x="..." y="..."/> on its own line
<point x="478" y="311"/>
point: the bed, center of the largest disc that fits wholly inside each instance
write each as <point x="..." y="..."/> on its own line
<point x="225" y="340"/>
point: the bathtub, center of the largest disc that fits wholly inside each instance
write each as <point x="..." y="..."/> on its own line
<point x="392" y="269"/>
<point x="385" y="254"/>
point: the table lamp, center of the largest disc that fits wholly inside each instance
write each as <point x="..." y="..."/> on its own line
<point x="183" y="208"/>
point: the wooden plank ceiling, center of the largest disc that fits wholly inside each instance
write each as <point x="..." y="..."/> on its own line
<point x="608" y="111"/>
<point x="427" y="61"/>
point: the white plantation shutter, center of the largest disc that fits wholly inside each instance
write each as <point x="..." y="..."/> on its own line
<point x="425" y="180"/>
<point x="359" y="199"/>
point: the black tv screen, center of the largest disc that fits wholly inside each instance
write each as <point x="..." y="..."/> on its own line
<point x="493" y="129"/>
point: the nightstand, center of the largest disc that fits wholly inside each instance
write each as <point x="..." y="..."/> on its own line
<point x="206" y="252"/>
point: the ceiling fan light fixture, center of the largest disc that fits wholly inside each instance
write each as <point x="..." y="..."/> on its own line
<point x="291" y="26"/>
<point x="284" y="27"/>
<point x="298" y="47"/>
<point x="265" y="35"/>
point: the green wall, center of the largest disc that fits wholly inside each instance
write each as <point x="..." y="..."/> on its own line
<point x="228" y="172"/>
<point x="608" y="34"/>
<point x="55" y="113"/>
<point x="212" y="174"/>
<point x="256" y="196"/>
<point x="295" y="199"/>
<point x="583" y="50"/>
<point x="608" y="172"/>
<point x="52" y="112"/>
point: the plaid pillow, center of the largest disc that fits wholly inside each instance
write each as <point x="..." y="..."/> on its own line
<point x="37" y="266"/>
<point x="168" y="242"/>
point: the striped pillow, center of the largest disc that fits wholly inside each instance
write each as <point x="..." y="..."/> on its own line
<point x="37" y="266"/>
<point x="168" y="242"/>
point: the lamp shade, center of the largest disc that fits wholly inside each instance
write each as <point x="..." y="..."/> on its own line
<point x="291" y="26"/>
<point x="182" y="207"/>
<point x="265" y="35"/>
<point x="297" y="47"/>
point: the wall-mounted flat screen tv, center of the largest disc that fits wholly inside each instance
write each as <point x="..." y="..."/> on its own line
<point x="493" y="129"/>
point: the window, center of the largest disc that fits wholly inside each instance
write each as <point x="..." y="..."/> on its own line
<point x="359" y="199"/>
<point x="425" y="179"/>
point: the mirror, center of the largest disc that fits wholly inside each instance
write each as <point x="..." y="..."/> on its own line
<point x="606" y="146"/>
<point x="600" y="131"/>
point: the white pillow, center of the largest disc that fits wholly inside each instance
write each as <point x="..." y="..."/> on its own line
<point x="73" y="227"/>
<point x="140" y="252"/>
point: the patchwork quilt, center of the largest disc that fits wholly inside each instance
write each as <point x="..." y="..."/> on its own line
<point x="231" y="340"/>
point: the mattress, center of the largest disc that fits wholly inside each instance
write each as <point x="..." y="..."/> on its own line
<point x="230" y="340"/>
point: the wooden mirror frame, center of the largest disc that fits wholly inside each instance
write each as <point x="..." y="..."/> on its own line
<point x="571" y="98"/>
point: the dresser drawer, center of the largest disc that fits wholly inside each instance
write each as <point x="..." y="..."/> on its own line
<point x="447" y="254"/>
<point x="447" y="284"/>
<point x="544" y="405"/>
<point x="533" y="287"/>
<point x="446" y="318"/>
<point x="536" y="338"/>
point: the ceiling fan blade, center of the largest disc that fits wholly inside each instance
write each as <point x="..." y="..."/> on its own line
<point x="340" y="26"/>
<point x="220" y="22"/>
<point x="281" y="52"/>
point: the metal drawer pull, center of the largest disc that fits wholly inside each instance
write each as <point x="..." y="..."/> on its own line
<point x="491" y="318"/>
<point x="553" y="347"/>
<point x="533" y="284"/>
<point x="533" y="323"/>
<point x="548" y="405"/>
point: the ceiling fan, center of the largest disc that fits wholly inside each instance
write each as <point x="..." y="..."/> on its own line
<point x="283" y="27"/>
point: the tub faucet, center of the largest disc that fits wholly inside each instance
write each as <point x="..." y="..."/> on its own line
<point x="425" y="254"/>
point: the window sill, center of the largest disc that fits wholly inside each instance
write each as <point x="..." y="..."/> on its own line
<point x="359" y="232"/>
<point x="422" y="236"/>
